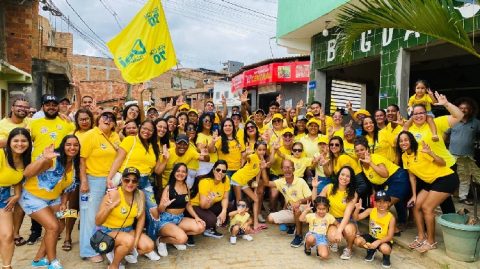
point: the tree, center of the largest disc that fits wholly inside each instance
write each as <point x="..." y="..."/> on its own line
<point x="436" y="18"/>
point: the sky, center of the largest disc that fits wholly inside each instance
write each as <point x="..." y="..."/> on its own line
<point x="205" y="33"/>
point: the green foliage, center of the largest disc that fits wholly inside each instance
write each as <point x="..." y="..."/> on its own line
<point x="436" y="18"/>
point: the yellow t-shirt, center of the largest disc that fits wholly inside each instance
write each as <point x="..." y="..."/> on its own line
<point x="79" y="135"/>
<point x="249" y="171"/>
<point x="375" y="178"/>
<point x="378" y="226"/>
<point x="349" y="149"/>
<point x="190" y="154"/>
<point x="276" y="167"/>
<point x="234" y="155"/>
<point x="9" y="176"/>
<point x="137" y="155"/>
<point x="318" y="224"/>
<point x="426" y="100"/>
<point x="423" y="133"/>
<point x="298" y="137"/>
<point x="263" y="129"/>
<point x="294" y="192"/>
<point x="50" y="184"/>
<point x="46" y="132"/>
<point x="239" y="220"/>
<point x="300" y="164"/>
<point x="423" y="167"/>
<point x="206" y="140"/>
<point x="338" y="201"/>
<point x="310" y="146"/>
<point x="319" y="168"/>
<point x="193" y="164"/>
<point x="381" y="146"/>
<point x="6" y="126"/>
<point x="344" y="160"/>
<point x="119" y="214"/>
<point x="388" y="136"/>
<point x="207" y="186"/>
<point x="99" y="154"/>
<point x="340" y="133"/>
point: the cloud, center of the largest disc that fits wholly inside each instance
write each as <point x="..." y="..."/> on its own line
<point x="205" y="33"/>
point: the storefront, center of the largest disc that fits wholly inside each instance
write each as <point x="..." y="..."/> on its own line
<point x="267" y="79"/>
<point x="387" y="62"/>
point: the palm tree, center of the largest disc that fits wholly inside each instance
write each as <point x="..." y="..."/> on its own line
<point x="436" y="18"/>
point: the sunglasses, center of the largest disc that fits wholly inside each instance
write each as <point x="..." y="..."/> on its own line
<point x="334" y="145"/>
<point x="206" y="121"/>
<point x="250" y="127"/>
<point x="288" y="135"/>
<point x="128" y="181"/>
<point x="191" y="129"/>
<point x="219" y="170"/>
<point x="297" y="150"/>
<point x="241" y="205"/>
<point x="277" y="120"/>
<point x="107" y="117"/>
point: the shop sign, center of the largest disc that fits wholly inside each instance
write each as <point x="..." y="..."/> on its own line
<point x="312" y="84"/>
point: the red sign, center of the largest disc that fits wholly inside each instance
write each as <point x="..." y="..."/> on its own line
<point x="272" y="73"/>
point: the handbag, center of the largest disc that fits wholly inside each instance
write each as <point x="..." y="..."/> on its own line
<point x="117" y="178"/>
<point x="103" y="243"/>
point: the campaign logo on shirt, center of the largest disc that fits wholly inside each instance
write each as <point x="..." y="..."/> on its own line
<point x="43" y="130"/>
<point x="123" y="210"/>
<point x="53" y="135"/>
<point x="375" y="229"/>
<point x="103" y="146"/>
<point x="294" y="193"/>
<point x="59" y="127"/>
<point x="417" y="136"/>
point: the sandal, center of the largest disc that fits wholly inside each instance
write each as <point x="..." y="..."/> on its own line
<point x="416" y="243"/>
<point x="19" y="241"/>
<point x="96" y="259"/>
<point x="426" y="247"/>
<point x="67" y="245"/>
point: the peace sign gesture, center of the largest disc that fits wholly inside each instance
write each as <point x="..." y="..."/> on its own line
<point x="366" y="159"/>
<point x="165" y="152"/>
<point x="49" y="153"/>
<point x="441" y="99"/>
<point x="215" y="136"/>
<point x="426" y="148"/>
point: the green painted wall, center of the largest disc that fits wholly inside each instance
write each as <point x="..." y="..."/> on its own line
<point x="388" y="93"/>
<point x="293" y="14"/>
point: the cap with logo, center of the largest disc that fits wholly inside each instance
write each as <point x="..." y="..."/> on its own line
<point x="277" y="116"/>
<point x="131" y="171"/>
<point x="49" y="98"/>
<point x="287" y="130"/>
<point x="182" y="138"/>
<point x="314" y="120"/>
<point x="382" y="195"/>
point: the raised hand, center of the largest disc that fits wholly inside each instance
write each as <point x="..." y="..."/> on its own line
<point x="49" y="153"/>
<point x="309" y="206"/>
<point x="358" y="205"/>
<point x="165" y="153"/>
<point x="300" y="104"/>
<point x="204" y="151"/>
<point x="215" y="136"/>
<point x="166" y="200"/>
<point x="179" y="101"/>
<point x="279" y="99"/>
<point x="366" y="159"/>
<point x="315" y="182"/>
<point x="244" y="97"/>
<point x="224" y="100"/>
<point x="426" y="148"/>
<point x="348" y="105"/>
<point x="441" y="99"/>
<point x="399" y="120"/>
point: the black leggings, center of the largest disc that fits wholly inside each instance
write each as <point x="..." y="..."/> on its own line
<point x="210" y="215"/>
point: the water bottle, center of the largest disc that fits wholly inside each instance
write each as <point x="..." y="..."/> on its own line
<point x="84" y="200"/>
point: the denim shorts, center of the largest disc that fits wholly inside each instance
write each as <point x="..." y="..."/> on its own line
<point x="165" y="218"/>
<point x="109" y="230"/>
<point x="234" y="183"/>
<point x="31" y="203"/>
<point x="322" y="182"/>
<point x="320" y="239"/>
<point x="4" y="195"/>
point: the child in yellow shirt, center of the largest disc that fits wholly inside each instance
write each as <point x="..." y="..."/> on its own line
<point x="381" y="228"/>
<point x="423" y="96"/>
<point x="240" y="222"/>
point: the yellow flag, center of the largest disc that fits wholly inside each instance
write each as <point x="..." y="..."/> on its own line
<point x="144" y="50"/>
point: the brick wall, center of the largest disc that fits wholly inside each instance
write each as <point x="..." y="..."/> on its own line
<point x="19" y="30"/>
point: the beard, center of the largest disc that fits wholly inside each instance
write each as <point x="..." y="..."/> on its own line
<point x="20" y="115"/>
<point x="51" y="116"/>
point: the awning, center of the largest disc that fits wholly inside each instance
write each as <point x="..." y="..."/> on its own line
<point x="11" y="73"/>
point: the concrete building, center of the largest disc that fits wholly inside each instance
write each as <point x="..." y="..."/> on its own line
<point x="386" y="62"/>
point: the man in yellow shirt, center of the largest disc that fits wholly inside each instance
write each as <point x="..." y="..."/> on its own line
<point x="17" y="118"/>
<point x="296" y="193"/>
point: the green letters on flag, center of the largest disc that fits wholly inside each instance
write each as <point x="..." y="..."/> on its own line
<point x="144" y="50"/>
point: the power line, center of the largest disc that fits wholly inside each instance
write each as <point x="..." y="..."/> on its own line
<point x="265" y="16"/>
<point x="112" y="11"/>
<point x="78" y="15"/>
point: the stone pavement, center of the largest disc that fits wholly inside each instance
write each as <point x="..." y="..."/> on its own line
<point x="269" y="249"/>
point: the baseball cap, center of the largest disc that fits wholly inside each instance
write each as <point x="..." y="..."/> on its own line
<point x="65" y="99"/>
<point x="287" y="130"/>
<point x="301" y="117"/>
<point x="382" y="195"/>
<point x="260" y="111"/>
<point x="236" y="114"/>
<point x="362" y="111"/>
<point x="152" y="107"/>
<point x="184" y="106"/>
<point x="131" y="171"/>
<point x="277" y="116"/>
<point x="322" y="139"/>
<point x="309" y="114"/>
<point x="314" y="120"/>
<point x="192" y="111"/>
<point x="182" y="138"/>
<point x="49" y="98"/>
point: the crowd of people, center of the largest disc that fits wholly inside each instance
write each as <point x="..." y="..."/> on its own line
<point x="148" y="178"/>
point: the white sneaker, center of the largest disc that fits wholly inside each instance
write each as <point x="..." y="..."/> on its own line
<point x="347" y="254"/>
<point x="247" y="237"/>
<point x="109" y="256"/>
<point x="180" y="246"/>
<point x="233" y="240"/>
<point x="161" y="248"/>
<point x="131" y="258"/>
<point x="261" y="219"/>
<point x="334" y="247"/>
<point x="152" y="256"/>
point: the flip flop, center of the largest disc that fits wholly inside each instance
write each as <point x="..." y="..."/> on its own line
<point x="260" y="228"/>
<point x="19" y="241"/>
<point x="67" y="245"/>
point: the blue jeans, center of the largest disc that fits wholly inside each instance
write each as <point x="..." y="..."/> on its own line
<point x="146" y="187"/>
<point x="97" y="186"/>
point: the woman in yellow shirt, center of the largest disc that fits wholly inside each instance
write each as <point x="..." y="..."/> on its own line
<point x="432" y="183"/>
<point x="210" y="198"/>
<point x="342" y="197"/>
<point x="250" y="135"/>
<point x="337" y="128"/>
<point x="337" y="159"/>
<point x="45" y="194"/>
<point x="99" y="147"/>
<point x="205" y="139"/>
<point x="348" y="140"/>
<point x="377" y="141"/>
<point x="13" y="159"/>
<point x="229" y="148"/>
<point x="300" y="129"/>
<point x="385" y="175"/>
<point x="116" y="215"/>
